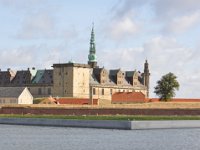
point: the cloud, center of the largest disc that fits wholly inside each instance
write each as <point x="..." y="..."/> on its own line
<point x="126" y="58"/>
<point x="164" y="55"/>
<point x="122" y="8"/>
<point x="123" y="28"/>
<point x="17" y="58"/>
<point x="53" y="56"/>
<point x="124" y="22"/>
<point x="183" y="23"/>
<point x="177" y="16"/>
<point x="38" y="25"/>
<point x="172" y="8"/>
<point x="21" y="5"/>
<point x="44" y="25"/>
<point x="169" y="16"/>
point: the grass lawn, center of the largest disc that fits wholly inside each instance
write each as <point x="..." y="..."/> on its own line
<point x="117" y="117"/>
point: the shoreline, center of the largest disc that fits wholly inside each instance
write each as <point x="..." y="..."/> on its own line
<point x="104" y="124"/>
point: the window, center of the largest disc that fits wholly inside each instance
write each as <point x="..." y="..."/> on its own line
<point x="12" y="101"/>
<point x="102" y="91"/>
<point x="94" y="91"/>
<point x="49" y="91"/>
<point x="39" y="91"/>
<point x="111" y="91"/>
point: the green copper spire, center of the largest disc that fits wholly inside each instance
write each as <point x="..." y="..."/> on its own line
<point x="92" y="42"/>
<point x="92" y="58"/>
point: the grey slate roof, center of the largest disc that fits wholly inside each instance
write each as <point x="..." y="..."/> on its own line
<point x="4" y="78"/>
<point x="114" y="72"/>
<point x="21" y="78"/>
<point x="13" y="92"/>
<point x="112" y="77"/>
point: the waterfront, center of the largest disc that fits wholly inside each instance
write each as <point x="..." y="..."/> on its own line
<point x="59" y="138"/>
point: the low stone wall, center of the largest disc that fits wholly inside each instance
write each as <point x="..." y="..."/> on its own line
<point x="104" y="124"/>
<point x="97" y="111"/>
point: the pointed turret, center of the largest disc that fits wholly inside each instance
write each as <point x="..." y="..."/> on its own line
<point x="146" y="76"/>
<point x="92" y="58"/>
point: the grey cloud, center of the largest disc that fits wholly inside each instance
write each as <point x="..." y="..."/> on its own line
<point x="124" y="7"/>
<point x="21" y="5"/>
<point x="164" y="55"/>
<point x="17" y="58"/>
<point x="43" y="25"/>
<point x="172" y="8"/>
<point x="38" y="25"/>
<point x="173" y="16"/>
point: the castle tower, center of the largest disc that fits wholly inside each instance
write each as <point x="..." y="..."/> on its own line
<point x="146" y="76"/>
<point x="92" y="58"/>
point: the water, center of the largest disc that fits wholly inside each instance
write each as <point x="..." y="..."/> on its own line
<point x="14" y="137"/>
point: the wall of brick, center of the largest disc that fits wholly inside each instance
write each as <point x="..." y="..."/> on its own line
<point x="76" y="101"/>
<point x="175" y="100"/>
<point x="97" y="111"/>
<point x="128" y="97"/>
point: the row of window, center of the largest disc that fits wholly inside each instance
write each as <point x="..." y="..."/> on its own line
<point x="111" y="91"/>
<point x="12" y="101"/>
<point x="102" y="91"/>
<point x="40" y="92"/>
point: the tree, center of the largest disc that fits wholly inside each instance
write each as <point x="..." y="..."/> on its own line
<point x="166" y="87"/>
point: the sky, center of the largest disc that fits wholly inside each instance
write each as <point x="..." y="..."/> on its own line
<point x="39" y="33"/>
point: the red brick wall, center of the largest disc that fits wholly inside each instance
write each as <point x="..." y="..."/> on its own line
<point x="128" y="97"/>
<point x="77" y="101"/>
<point x="175" y="100"/>
<point x="98" y="111"/>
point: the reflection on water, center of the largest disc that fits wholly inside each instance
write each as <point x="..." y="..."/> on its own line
<point x="14" y="137"/>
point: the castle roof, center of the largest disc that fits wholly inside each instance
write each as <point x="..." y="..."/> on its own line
<point x="13" y="92"/>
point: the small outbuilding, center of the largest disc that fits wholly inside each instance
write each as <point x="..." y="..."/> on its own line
<point x="15" y="95"/>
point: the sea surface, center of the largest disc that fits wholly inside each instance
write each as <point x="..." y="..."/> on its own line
<point x="13" y="137"/>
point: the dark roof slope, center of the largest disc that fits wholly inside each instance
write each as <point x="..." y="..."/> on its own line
<point x="4" y="78"/>
<point x="43" y="77"/>
<point x="21" y="78"/>
<point x="11" y="91"/>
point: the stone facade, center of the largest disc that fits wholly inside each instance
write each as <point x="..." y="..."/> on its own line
<point x="71" y="80"/>
<point x="83" y="81"/>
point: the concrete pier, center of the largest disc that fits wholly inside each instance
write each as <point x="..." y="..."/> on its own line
<point x="103" y="124"/>
<point x="165" y="124"/>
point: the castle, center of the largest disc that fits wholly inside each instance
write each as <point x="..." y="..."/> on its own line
<point x="78" y="80"/>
